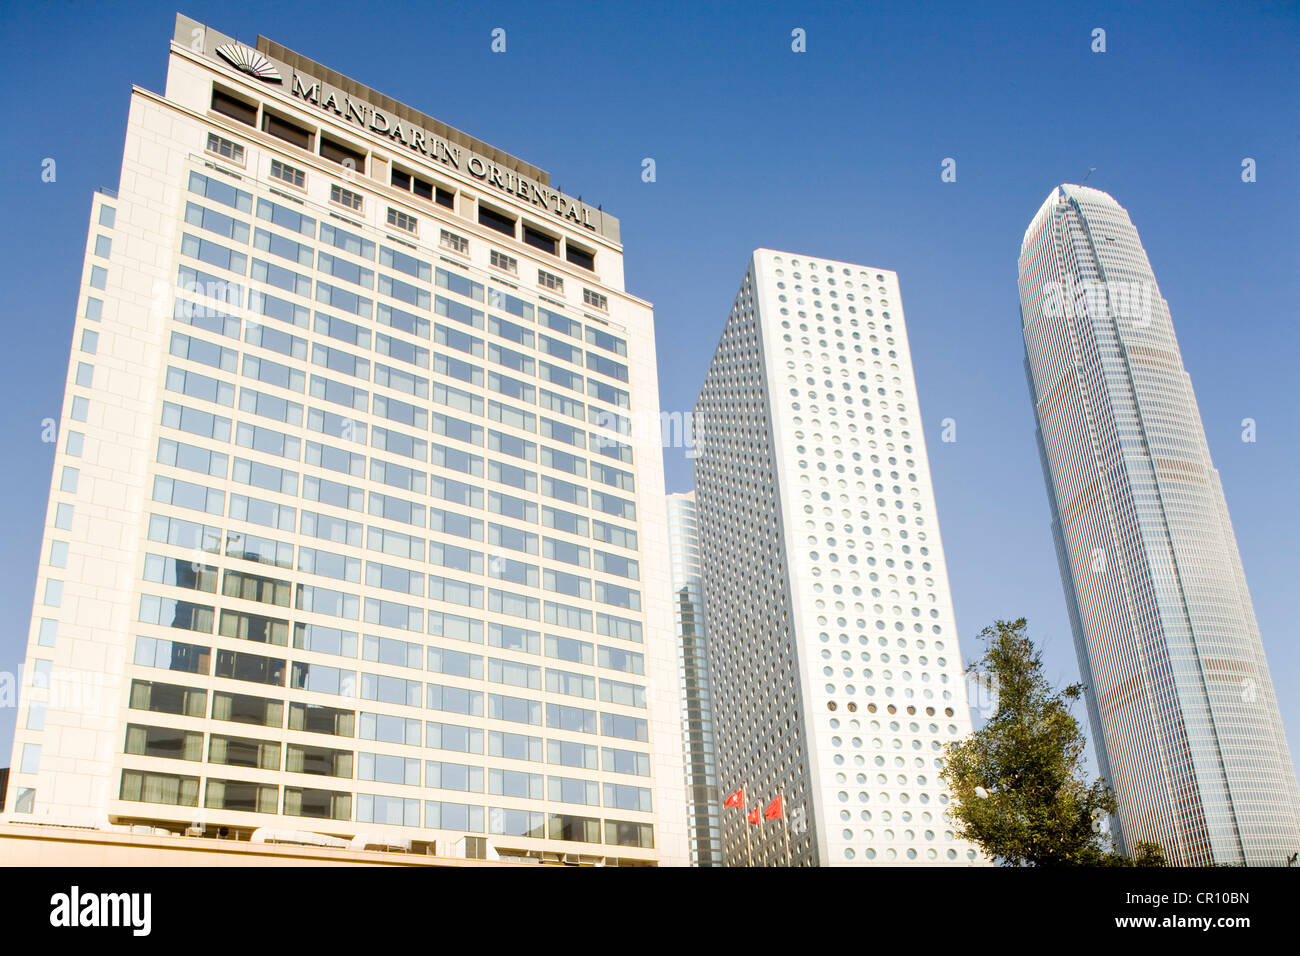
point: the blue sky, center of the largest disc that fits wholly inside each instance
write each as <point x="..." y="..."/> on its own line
<point x="835" y="152"/>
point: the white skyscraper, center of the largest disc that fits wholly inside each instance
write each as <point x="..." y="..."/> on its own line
<point x="349" y="531"/>
<point x="1182" y="706"/>
<point x="697" y="695"/>
<point x="835" y="663"/>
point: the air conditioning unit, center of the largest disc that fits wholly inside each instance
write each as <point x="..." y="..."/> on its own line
<point x="474" y="848"/>
<point x="381" y="841"/>
<point x="297" y="837"/>
<point x="144" y="829"/>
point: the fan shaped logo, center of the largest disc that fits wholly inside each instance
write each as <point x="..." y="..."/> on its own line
<point x="250" y="61"/>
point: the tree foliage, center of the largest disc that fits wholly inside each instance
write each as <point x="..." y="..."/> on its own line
<point x="1018" y="780"/>
<point x="1150" y="854"/>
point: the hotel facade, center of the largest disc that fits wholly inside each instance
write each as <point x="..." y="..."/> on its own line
<point x="836" y="672"/>
<point x="353" y="528"/>
<point x="1187" y="726"/>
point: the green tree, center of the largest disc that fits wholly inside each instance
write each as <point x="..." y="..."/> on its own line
<point x="1018" y="780"/>
<point x="1150" y="854"/>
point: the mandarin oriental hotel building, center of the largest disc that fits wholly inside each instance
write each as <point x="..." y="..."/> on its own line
<point x="350" y="531"/>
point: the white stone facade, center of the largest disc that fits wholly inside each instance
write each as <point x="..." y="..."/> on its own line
<point x="381" y="370"/>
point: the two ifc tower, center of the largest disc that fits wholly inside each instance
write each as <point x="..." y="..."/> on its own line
<point x="1179" y="691"/>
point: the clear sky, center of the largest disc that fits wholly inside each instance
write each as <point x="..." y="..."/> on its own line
<point x="833" y="152"/>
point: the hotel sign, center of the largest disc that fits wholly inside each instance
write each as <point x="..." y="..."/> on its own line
<point x="433" y="147"/>
<point x="363" y="115"/>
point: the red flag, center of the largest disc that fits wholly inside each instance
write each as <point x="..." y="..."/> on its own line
<point x="754" y="816"/>
<point x="773" y="810"/>
<point x="736" y="799"/>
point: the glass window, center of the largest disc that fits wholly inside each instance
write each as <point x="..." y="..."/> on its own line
<point x="387" y="768"/>
<point x="570" y="828"/>
<point x="441" y="736"/>
<point x="319" y="719"/>
<point x="628" y="728"/>
<point x="614" y="760"/>
<point x="514" y="746"/>
<point x="247" y="709"/>
<point x="515" y="783"/>
<point x="459" y="817"/>
<point x="456" y="700"/>
<point x="619" y="833"/>
<point x="516" y="709"/>
<point x="513" y="672"/>
<point x="623" y="797"/>
<point x="321" y="761"/>
<point x="453" y="776"/>
<point x="514" y="638"/>
<point x="142" y="787"/>
<point x="563" y="717"/>
<point x="520" y="823"/>
<point x="242" y="795"/>
<point x="390" y="729"/>
<point x="456" y="663"/>
<point x="243" y="752"/>
<point x="571" y="790"/>
<point x="323" y="804"/>
<point x="571" y="754"/>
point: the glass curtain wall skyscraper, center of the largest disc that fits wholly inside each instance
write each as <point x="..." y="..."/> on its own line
<point x="833" y="649"/>
<point x="350" y="531"/>
<point x="1178" y="689"/>
<point x="697" y="694"/>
